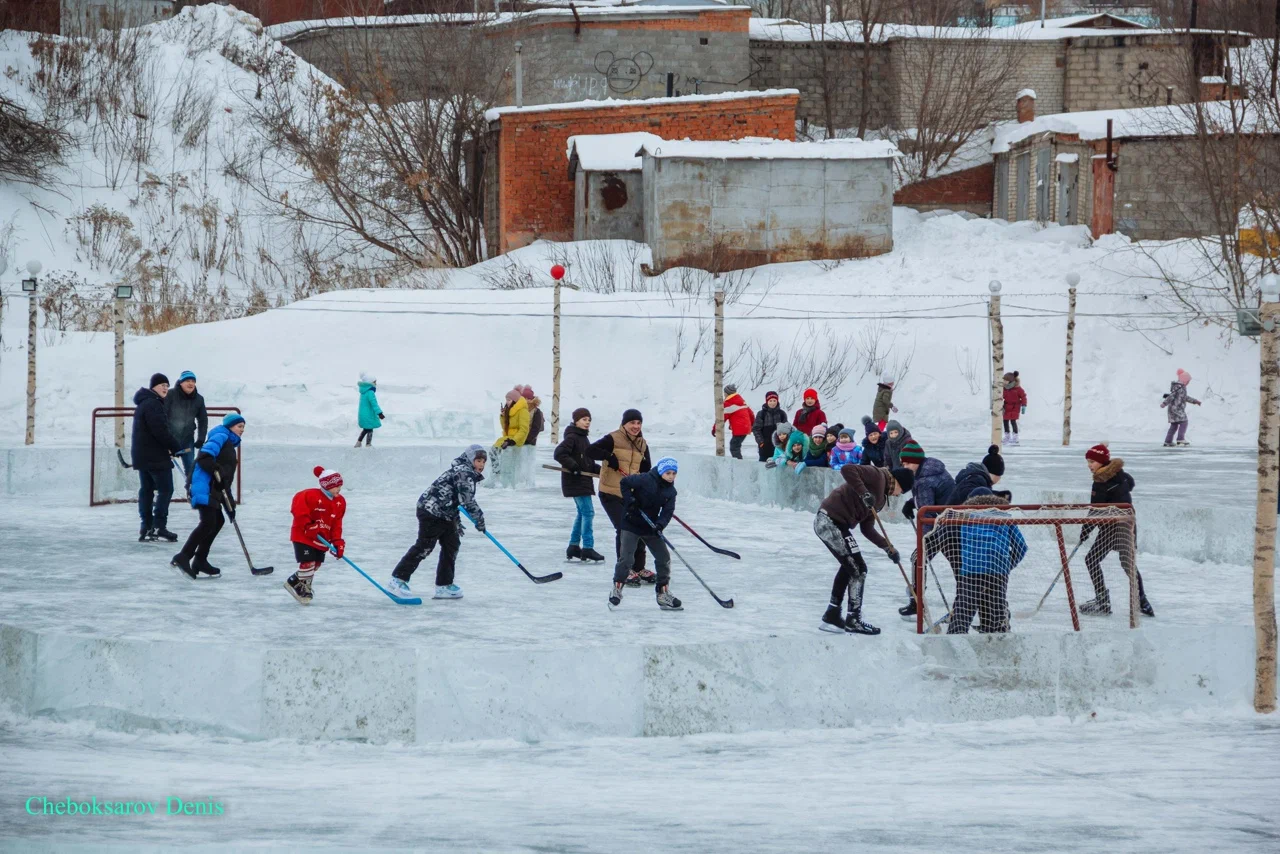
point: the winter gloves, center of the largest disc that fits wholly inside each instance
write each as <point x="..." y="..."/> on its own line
<point x="909" y="509"/>
<point x="867" y="500"/>
<point x="892" y="554"/>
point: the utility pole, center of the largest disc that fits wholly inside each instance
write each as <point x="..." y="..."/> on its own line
<point x="29" y="287"/>
<point x="1073" y="279"/>
<point x="557" y="273"/>
<point x="1264" y="531"/>
<point x="718" y="378"/>
<point x="997" y="365"/>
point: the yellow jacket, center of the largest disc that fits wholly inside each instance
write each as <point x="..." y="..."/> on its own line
<point x="515" y="423"/>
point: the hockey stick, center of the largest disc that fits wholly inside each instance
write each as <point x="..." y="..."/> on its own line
<point x="536" y="579"/>
<point x="723" y="603"/>
<point x="226" y="502"/>
<point x="399" y="600"/>
<point x="120" y="456"/>
<point x="924" y="609"/>
<point x="1027" y="615"/>
<point x="698" y="537"/>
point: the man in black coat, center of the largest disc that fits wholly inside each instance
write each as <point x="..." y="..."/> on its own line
<point x="1111" y="485"/>
<point x="153" y="447"/>
<point x="188" y="418"/>
<point x="648" y="504"/>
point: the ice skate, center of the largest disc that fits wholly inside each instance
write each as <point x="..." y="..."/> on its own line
<point x="1183" y="443"/>
<point x="1099" y="607"/>
<point x="573" y="553"/>
<point x="832" y="621"/>
<point x="668" y="602"/>
<point x="207" y="568"/>
<point x="164" y="534"/>
<point x="448" y="591"/>
<point x="1145" y="607"/>
<point x="908" y="611"/>
<point x="184" y="564"/>
<point x="1013" y="439"/>
<point x="148" y="535"/>
<point x="589" y="554"/>
<point x="299" y="589"/>
<point x="615" y="596"/>
<point x="1005" y="441"/>
<point x="1168" y="444"/>
<point x="399" y="587"/>
<point x="854" y="625"/>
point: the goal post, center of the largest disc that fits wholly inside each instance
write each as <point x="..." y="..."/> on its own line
<point x="1025" y="567"/>
<point x="111" y="478"/>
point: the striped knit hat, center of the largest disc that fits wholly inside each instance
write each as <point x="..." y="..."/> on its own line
<point x="912" y="452"/>
<point x="328" y="478"/>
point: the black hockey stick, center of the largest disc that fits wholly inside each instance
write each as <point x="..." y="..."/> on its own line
<point x="226" y="502"/>
<point x="536" y="579"/>
<point x="120" y="456"/>
<point x="723" y="603"/>
<point x="924" y="610"/>
<point x="698" y="537"/>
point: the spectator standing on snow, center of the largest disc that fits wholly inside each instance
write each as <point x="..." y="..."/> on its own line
<point x="624" y="452"/>
<point x="873" y="444"/>
<point x="767" y="420"/>
<point x="896" y="438"/>
<point x="215" y="470"/>
<point x="152" y="447"/>
<point x="370" y="414"/>
<point x="576" y="483"/>
<point x="1176" y="402"/>
<point x="989" y="552"/>
<point x="884" y="401"/>
<point x="809" y="415"/>
<point x="740" y="419"/>
<point x="536" y="422"/>
<point x="188" y="419"/>
<point x="1015" y="403"/>
<point x="515" y="420"/>
<point x="1111" y="485"/>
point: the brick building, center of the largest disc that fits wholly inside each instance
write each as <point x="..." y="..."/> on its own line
<point x="528" y="190"/>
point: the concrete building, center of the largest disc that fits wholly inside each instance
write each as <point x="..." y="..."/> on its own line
<point x="529" y="194"/>
<point x="607" y="200"/>
<point x="730" y="205"/>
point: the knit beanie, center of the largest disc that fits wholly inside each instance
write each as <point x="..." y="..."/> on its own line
<point x="1184" y="377"/>
<point x="366" y="377"/>
<point x="632" y="415"/>
<point x="808" y="393"/>
<point x="912" y="452"/>
<point x="581" y="412"/>
<point x="730" y="388"/>
<point x="186" y="375"/>
<point x="784" y="429"/>
<point x="512" y="396"/>
<point x="770" y="395"/>
<point x="1099" y="453"/>
<point x="818" y="430"/>
<point x="869" y="425"/>
<point x="846" y="433"/>
<point x="328" y="477"/>
<point x="886" y="379"/>
<point x="905" y="478"/>
<point x="231" y="419"/>
<point x="665" y="465"/>
<point x="834" y="429"/>
<point x="527" y="392"/>
<point x="158" y="379"/>
<point x="993" y="461"/>
<point x="1010" y="376"/>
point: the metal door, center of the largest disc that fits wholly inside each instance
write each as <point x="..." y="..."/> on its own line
<point x="1066" y="194"/>
<point x="1024" y="181"/>
<point x="1042" y="185"/>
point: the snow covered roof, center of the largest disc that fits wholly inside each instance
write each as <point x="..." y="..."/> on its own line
<point x="1163" y="121"/>
<point x="610" y="152"/>
<point x="495" y="113"/>
<point x="788" y="30"/>
<point x="761" y="148"/>
<point x="1078" y="20"/>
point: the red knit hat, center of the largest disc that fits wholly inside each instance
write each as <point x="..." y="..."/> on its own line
<point x="1100" y="454"/>
<point x="328" y="478"/>
<point x="526" y="392"/>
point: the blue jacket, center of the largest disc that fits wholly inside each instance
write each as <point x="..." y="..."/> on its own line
<point x="217" y="454"/>
<point x="151" y="443"/>
<point x="933" y="484"/>
<point x="647" y="492"/>
<point x="851" y="457"/>
<point x="987" y="549"/>
<point x="369" y="408"/>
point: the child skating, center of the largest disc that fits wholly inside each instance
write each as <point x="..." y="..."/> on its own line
<point x="1015" y="404"/>
<point x="571" y="454"/>
<point x="647" y="498"/>
<point x="317" y="512"/>
<point x="1176" y="402"/>
<point x="440" y="522"/>
<point x="370" y="414"/>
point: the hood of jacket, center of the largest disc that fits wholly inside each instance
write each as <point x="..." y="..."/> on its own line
<point x="145" y="394"/>
<point x="575" y="430"/>
<point x="364" y="387"/>
<point x="797" y="437"/>
<point x="1176" y="386"/>
<point x="1110" y="470"/>
<point x="890" y="426"/>
<point x="462" y="463"/>
<point x="974" y="470"/>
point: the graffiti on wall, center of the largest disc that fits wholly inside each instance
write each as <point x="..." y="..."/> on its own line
<point x="622" y="74"/>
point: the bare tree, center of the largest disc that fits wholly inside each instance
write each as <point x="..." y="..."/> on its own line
<point x="28" y="146"/>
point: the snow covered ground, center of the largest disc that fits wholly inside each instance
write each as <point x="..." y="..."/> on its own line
<point x="1106" y="784"/>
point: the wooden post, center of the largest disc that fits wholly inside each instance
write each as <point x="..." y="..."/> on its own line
<point x="1073" y="279"/>
<point x="555" y="366"/>
<point x="718" y="379"/>
<point x="119" y="330"/>
<point x="31" y="369"/>
<point x="997" y="366"/>
<point x="1264" y="530"/>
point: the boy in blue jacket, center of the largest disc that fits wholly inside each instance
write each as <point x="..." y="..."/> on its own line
<point x="989" y="552"/>
<point x="650" y="494"/>
<point x="215" y="469"/>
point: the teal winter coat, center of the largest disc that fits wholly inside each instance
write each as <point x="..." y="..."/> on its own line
<point x="369" y="408"/>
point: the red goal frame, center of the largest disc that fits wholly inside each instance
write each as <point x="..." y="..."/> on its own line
<point x="103" y="413"/>
<point x="1055" y="515"/>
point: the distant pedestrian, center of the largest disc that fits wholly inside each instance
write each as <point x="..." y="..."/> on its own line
<point x="739" y="416"/>
<point x="536" y="422"/>
<point x="576" y="483"/>
<point x="515" y="420"/>
<point x="370" y="414"/>
<point x="884" y="401"/>
<point x="1015" y="404"/>
<point x="1176" y="402"/>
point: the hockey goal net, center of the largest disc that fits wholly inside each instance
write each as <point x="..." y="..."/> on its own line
<point x="112" y="479"/>
<point x="1025" y="567"/>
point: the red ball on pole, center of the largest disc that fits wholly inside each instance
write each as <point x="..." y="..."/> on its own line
<point x="557" y="272"/>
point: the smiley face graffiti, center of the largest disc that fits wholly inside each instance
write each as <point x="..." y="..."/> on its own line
<point x="623" y="74"/>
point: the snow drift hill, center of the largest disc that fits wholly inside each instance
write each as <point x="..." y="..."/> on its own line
<point x="444" y="358"/>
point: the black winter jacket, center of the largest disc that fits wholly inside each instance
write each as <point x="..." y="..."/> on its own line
<point x="187" y="416"/>
<point x="1111" y="485"/>
<point x="767" y="421"/>
<point x="651" y="494"/>
<point x="536" y="425"/>
<point x="571" y="454"/>
<point x="970" y="478"/>
<point x="873" y="454"/>
<point x="152" y="443"/>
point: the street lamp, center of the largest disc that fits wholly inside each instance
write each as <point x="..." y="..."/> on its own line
<point x="29" y="288"/>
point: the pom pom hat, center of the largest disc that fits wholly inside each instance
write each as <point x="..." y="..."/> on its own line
<point x="328" y="478"/>
<point x="1099" y="454"/>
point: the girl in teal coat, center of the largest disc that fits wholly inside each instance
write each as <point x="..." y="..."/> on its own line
<point x="370" y="415"/>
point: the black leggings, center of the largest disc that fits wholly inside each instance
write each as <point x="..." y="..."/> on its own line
<point x="201" y="539"/>
<point x="612" y="505"/>
<point x="1011" y="425"/>
<point x="1109" y="539"/>
<point x="366" y="436"/>
<point x="852" y="574"/>
<point x="432" y="530"/>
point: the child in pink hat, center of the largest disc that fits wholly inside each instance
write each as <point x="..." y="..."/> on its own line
<point x="1176" y="402"/>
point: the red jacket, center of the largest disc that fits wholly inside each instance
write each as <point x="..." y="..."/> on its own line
<point x="1014" y="399"/>
<point x="805" y="422"/>
<point x="315" y="513"/>
<point x="739" y="422"/>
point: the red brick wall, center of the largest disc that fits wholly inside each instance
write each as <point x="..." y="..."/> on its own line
<point x="282" y="11"/>
<point x="733" y="19"/>
<point x="535" y="193"/>
<point x="969" y="189"/>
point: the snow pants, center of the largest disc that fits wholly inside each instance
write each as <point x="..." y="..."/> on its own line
<point x="1112" y="538"/>
<point x="1010" y="425"/>
<point x="987" y="595"/>
<point x="735" y="446"/>
<point x="766" y="452"/>
<point x="852" y="574"/>
<point x="365" y="436"/>
<point x="582" y="532"/>
<point x="632" y="544"/>
<point x="201" y="540"/>
<point x="155" y="490"/>
<point x="432" y="530"/>
<point x="1178" y="427"/>
<point x="612" y="505"/>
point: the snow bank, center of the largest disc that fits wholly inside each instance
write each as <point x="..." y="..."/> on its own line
<point x="652" y="690"/>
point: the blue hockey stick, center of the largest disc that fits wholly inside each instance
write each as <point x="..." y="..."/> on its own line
<point x="536" y="579"/>
<point x="399" y="600"/>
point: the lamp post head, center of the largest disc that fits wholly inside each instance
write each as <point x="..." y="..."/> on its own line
<point x="124" y="291"/>
<point x="1073" y="279"/>
<point x="994" y="287"/>
<point x="28" y="286"/>
<point x="34" y="267"/>
<point x="1269" y="287"/>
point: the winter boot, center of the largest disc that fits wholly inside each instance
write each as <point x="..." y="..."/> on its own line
<point x="165" y="534"/>
<point x="1013" y="439"/>
<point x="1098" y="607"/>
<point x="615" y="596"/>
<point x="1006" y="440"/>
<point x="909" y="610"/>
<point x="299" y="589"/>
<point x="667" y="602"/>
<point x="854" y="625"/>
<point x="448" y="591"/>
<point x="203" y="565"/>
<point x="147" y="535"/>
<point x="1168" y="444"/>
<point x="592" y="555"/>
<point x="399" y="587"/>
<point x="573" y="553"/>
<point x="183" y="563"/>
<point x="832" y="621"/>
<point x="1183" y="443"/>
<point x="1145" y="606"/>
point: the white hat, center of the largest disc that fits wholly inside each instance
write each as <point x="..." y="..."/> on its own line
<point x="366" y="377"/>
<point x="886" y="378"/>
